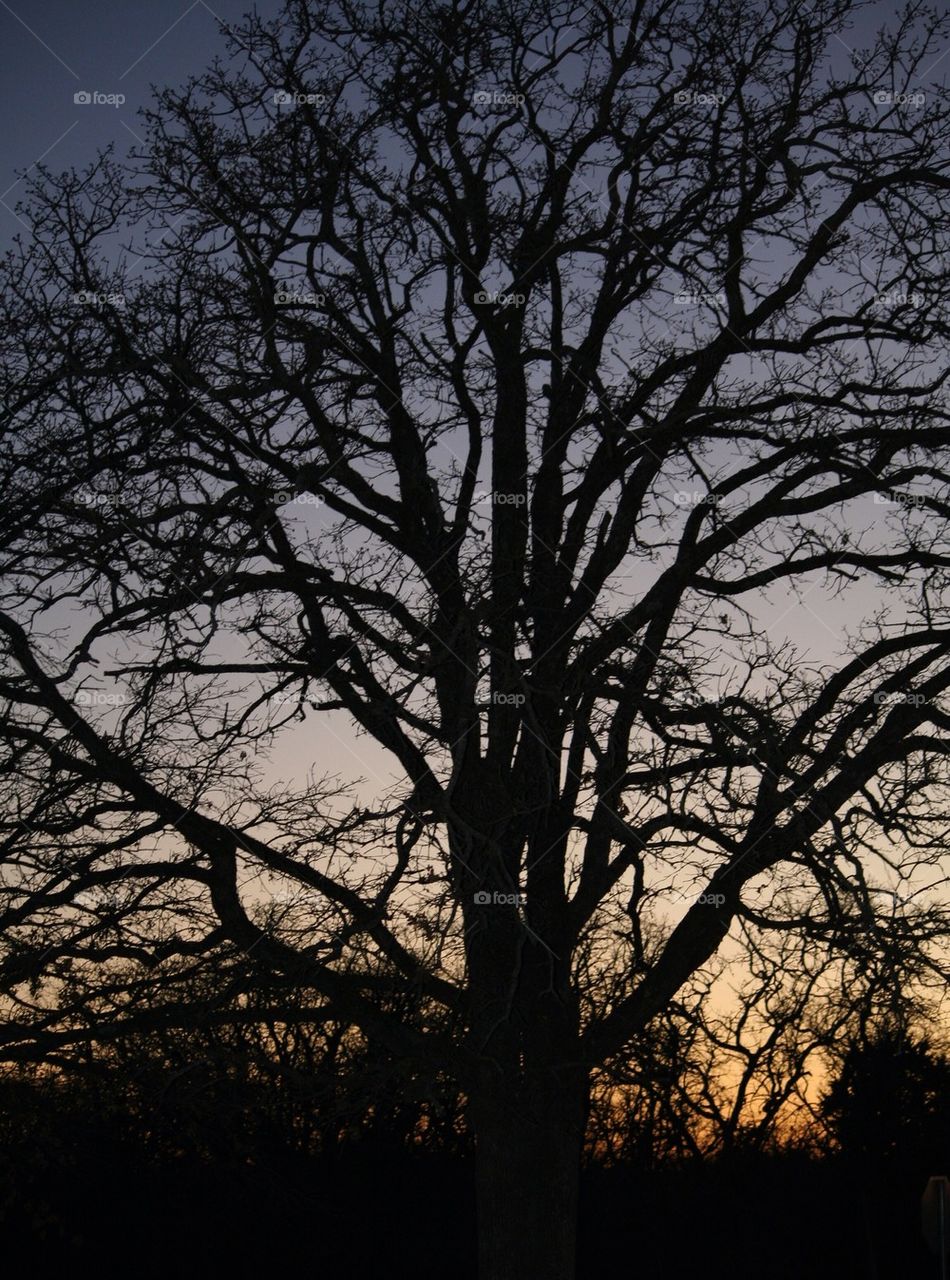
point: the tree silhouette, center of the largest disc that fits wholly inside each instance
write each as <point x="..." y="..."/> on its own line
<point x="493" y="378"/>
<point x="888" y="1100"/>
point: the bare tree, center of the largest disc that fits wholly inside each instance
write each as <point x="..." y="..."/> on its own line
<point x="739" y="1058"/>
<point x="215" y="1074"/>
<point x="494" y="378"/>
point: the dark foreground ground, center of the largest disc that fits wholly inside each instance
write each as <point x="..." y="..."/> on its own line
<point x="377" y="1213"/>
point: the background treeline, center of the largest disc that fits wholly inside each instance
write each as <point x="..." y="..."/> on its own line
<point x="259" y="1134"/>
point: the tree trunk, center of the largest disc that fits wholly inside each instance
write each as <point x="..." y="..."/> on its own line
<point x="528" y="1148"/>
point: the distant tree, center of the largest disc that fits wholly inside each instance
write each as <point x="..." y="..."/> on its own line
<point x="493" y="377"/>
<point x="890" y="1100"/>
<point x="735" y="1061"/>
<point x="244" y="1077"/>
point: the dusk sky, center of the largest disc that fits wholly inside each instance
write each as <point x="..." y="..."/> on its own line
<point x="55" y="49"/>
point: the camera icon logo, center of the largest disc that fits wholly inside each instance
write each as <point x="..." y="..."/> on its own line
<point x="482" y="898"/>
<point x="282" y="98"/>
<point x="82" y="98"/>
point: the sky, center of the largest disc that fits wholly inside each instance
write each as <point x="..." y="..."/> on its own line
<point x="114" y="53"/>
<point x="55" y="49"/>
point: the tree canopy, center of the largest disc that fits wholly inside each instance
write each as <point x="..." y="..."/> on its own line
<point x="524" y="386"/>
